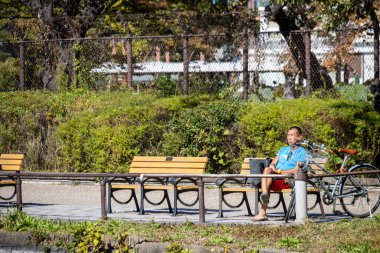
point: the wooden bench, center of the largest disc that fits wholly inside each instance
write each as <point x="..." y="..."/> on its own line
<point x="234" y="186"/>
<point x="10" y="162"/>
<point x="158" y="165"/>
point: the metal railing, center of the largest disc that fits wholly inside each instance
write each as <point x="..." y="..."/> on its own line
<point x="300" y="189"/>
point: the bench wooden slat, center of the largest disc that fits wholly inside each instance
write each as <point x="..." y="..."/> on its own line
<point x="10" y="161"/>
<point x="169" y="159"/>
<point x="3" y="182"/>
<point x="167" y="165"/>
<point x="11" y="167"/>
<point x="166" y="171"/>
<point x="13" y="156"/>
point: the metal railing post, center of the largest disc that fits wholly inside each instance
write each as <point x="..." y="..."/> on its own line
<point x="201" y="192"/>
<point x="301" y="196"/>
<point x="103" y="198"/>
<point x="18" y="194"/>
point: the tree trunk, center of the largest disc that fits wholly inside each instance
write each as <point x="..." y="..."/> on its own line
<point x="295" y="41"/>
<point x="289" y="90"/>
<point x="376" y="84"/>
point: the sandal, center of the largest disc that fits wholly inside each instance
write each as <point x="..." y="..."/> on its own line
<point x="260" y="218"/>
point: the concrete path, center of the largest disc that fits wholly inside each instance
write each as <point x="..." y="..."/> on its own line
<point x="67" y="200"/>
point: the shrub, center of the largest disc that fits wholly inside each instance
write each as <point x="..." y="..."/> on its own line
<point x="335" y="123"/>
<point x="82" y="131"/>
<point x="9" y="74"/>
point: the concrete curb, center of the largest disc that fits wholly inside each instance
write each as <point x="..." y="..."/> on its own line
<point x="21" y="242"/>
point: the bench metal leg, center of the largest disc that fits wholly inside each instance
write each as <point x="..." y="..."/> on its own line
<point x="256" y="201"/>
<point x="175" y="202"/>
<point x="319" y="200"/>
<point x="142" y="196"/>
<point x="283" y="202"/>
<point x="290" y="208"/>
<point x="245" y="197"/>
<point x="168" y="200"/>
<point x="135" y="199"/>
<point x="18" y="194"/>
<point x="109" y="208"/>
<point x="221" y="196"/>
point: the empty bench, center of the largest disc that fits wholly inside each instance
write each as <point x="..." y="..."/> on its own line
<point x="246" y="185"/>
<point x="10" y="163"/>
<point x="143" y="165"/>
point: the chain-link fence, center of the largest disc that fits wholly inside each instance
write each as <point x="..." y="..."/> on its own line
<point x="255" y="64"/>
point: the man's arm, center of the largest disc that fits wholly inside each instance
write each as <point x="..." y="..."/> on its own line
<point x="293" y="171"/>
<point x="272" y="165"/>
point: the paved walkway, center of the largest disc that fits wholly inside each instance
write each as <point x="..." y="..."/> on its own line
<point x="66" y="200"/>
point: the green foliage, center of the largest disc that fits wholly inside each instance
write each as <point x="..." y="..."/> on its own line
<point x="112" y="235"/>
<point x="166" y="85"/>
<point x="91" y="240"/>
<point x="86" y="60"/>
<point x="365" y="247"/>
<point x="220" y="240"/>
<point x="207" y="83"/>
<point x="335" y="123"/>
<point x="82" y="131"/>
<point x="290" y="243"/>
<point x="9" y="74"/>
<point x="205" y="130"/>
<point x="176" y="248"/>
<point x="355" y="92"/>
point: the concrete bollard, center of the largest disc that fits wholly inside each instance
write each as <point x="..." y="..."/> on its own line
<point x="301" y="196"/>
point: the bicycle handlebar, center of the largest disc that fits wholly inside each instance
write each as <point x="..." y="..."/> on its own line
<point x="321" y="147"/>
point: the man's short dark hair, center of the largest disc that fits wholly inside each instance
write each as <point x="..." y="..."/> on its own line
<point x="299" y="130"/>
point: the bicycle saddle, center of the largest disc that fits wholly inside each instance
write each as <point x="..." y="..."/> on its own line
<point x="348" y="151"/>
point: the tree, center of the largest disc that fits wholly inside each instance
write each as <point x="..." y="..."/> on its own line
<point x="290" y="19"/>
<point x="341" y="14"/>
<point x="62" y="20"/>
<point x="364" y="14"/>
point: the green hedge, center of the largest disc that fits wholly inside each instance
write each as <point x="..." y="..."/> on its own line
<point x="83" y="131"/>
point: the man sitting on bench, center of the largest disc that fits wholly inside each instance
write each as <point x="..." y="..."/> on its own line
<point x="285" y="162"/>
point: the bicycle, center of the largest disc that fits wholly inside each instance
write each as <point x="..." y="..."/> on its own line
<point x="359" y="194"/>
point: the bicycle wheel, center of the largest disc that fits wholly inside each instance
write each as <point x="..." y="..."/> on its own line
<point x="360" y="194"/>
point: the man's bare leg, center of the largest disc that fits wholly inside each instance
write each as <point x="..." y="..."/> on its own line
<point x="265" y="185"/>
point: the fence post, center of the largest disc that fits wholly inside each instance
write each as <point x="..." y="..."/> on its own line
<point x="301" y="196"/>
<point x="245" y="64"/>
<point x="103" y="198"/>
<point x="185" y="42"/>
<point x="129" y="57"/>
<point x="18" y="194"/>
<point x="22" y="66"/>
<point x="307" y="43"/>
<point x="201" y="192"/>
<point x="256" y="80"/>
<point x="128" y="45"/>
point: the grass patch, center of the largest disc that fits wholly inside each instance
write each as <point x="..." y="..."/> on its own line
<point x="357" y="235"/>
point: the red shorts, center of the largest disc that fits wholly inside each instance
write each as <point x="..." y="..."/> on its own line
<point x="278" y="185"/>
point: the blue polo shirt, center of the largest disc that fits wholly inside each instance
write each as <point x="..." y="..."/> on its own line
<point x="287" y="160"/>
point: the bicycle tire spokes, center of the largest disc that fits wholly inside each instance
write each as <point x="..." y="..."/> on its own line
<point x="360" y="194"/>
